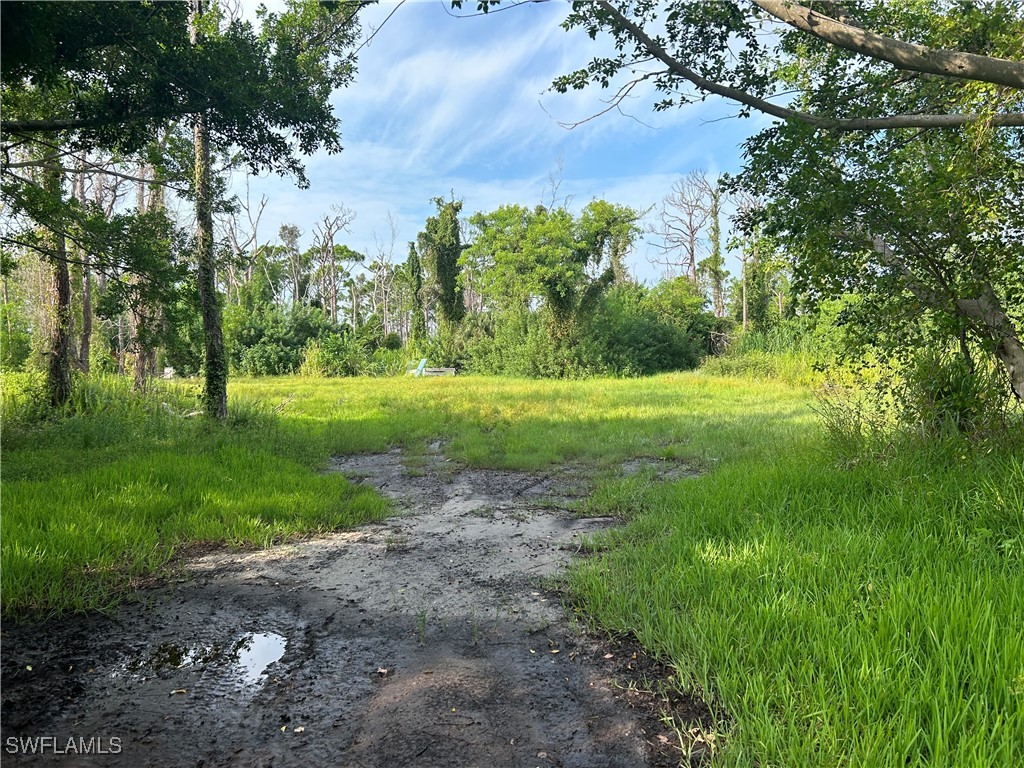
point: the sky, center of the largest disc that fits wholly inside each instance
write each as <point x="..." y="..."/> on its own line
<point x="449" y="102"/>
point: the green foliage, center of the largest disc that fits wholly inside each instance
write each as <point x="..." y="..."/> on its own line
<point x="334" y="355"/>
<point x="440" y="247"/>
<point x="392" y="341"/>
<point x="801" y="598"/>
<point x="414" y="276"/>
<point x="519" y="255"/>
<point x="630" y="332"/>
<point x="15" y="338"/>
<point x="264" y="92"/>
<point x="517" y="344"/>
<point x="347" y="355"/>
<point x="936" y="399"/>
<point x="270" y="341"/>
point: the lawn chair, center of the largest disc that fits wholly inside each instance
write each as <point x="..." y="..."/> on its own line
<point x="418" y="370"/>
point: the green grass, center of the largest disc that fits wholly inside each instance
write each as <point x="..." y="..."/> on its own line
<point x="835" y="613"/>
<point x="865" y="617"/>
<point x="96" y="500"/>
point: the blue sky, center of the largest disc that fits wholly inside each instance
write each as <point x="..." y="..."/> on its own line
<point x="446" y="104"/>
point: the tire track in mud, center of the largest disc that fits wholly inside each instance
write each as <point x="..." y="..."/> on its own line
<point x="426" y="640"/>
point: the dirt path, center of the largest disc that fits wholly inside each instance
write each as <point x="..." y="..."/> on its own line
<point x="428" y="640"/>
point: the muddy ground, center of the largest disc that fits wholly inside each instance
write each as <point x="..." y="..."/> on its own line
<point x="433" y="639"/>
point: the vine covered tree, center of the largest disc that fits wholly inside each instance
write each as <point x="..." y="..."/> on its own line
<point x="440" y="246"/>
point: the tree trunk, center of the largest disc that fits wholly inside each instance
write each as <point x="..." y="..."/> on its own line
<point x="85" y="344"/>
<point x="743" y="290"/>
<point x="985" y="314"/>
<point x="58" y="378"/>
<point x="138" y="341"/>
<point x="215" y="371"/>
<point x="992" y="322"/>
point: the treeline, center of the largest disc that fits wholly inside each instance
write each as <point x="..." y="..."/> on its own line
<point x="519" y="291"/>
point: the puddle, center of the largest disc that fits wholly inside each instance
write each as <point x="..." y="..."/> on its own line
<point x="256" y="652"/>
<point x="245" y="660"/>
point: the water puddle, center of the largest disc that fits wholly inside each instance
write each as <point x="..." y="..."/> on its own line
<point x="243" y="661"/>
<point x="256" y="652"/>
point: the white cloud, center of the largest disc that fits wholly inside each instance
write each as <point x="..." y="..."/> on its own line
<point x="444" y="104"/>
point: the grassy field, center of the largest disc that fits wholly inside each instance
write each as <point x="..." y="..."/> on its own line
<point x="835" y="613"/>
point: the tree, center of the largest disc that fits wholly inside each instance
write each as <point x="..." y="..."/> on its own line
<point x="103" y="75"/>
<point x="712" y="269"/>
<point x="417" y="320"/>
<point x="108" y="72"/>
<point x="609" y="231"/>
<point x="329" y="253"/>
<point x="684" y="214"/>
<point x="920" y="168"/>
<point x="440" y="247"/>
<point x="521" y="255"/>
<point x="721" y="48"/>
<point x="215" y="368"/>
<point x="927" y="227"/>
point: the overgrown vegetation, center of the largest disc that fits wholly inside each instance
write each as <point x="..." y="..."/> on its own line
<point x="110" y="489"/>
<point x="844" y="587"/>
<point x="832" y="610"/>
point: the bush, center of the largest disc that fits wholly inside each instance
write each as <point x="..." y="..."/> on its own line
<point x="346" y="355"/>
<point x="941" y="393"/>
<point x="334" y="355"/>
<point x="15" y="339"/>
<point x="630" y="338"/>
<point x="269" y="341"/>
<point x="629" y="333"/>
<point x="933" y="400"/>
<point x="25" y="398"/>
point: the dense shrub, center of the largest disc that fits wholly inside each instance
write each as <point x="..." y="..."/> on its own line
<point x="15" y="339"/>
<point x="627" y="334"/>
<point x="270" y="341"/>
<point x="334" y="355"/>
<point x="347" y="355"/>
<point x="630" y="337"/>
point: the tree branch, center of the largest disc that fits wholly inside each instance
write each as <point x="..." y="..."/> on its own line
<point x="842" y="124"/>
<point x="918" y="58"/>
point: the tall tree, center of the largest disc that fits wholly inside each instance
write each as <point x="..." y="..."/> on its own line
<point x="106" y="74"/>
<point x="711" y="269"/>
<point x="417" y="321"/>
<point x="740" y="50"/>
<point x="892" y="153"/>
<point x="59" y="369"/>
<point x="683" y="215"/>
<point x="441" y="247"/>
<point x="215" y="363"/>
<point x="328" y="252"/>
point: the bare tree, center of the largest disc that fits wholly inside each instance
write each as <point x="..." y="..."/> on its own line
<point x="683" y="216"/>
<point x="383" y="271"/>
<point x="324" y="233"/>
<point x="746" y="205"/>
<point x="243" y="239"/>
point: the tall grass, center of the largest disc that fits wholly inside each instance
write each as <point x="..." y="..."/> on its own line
<point x="835" y="613"/>
<point x="788" y="352"/>
<point x="863" y="615"/>
<point x="109" y="490"/>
